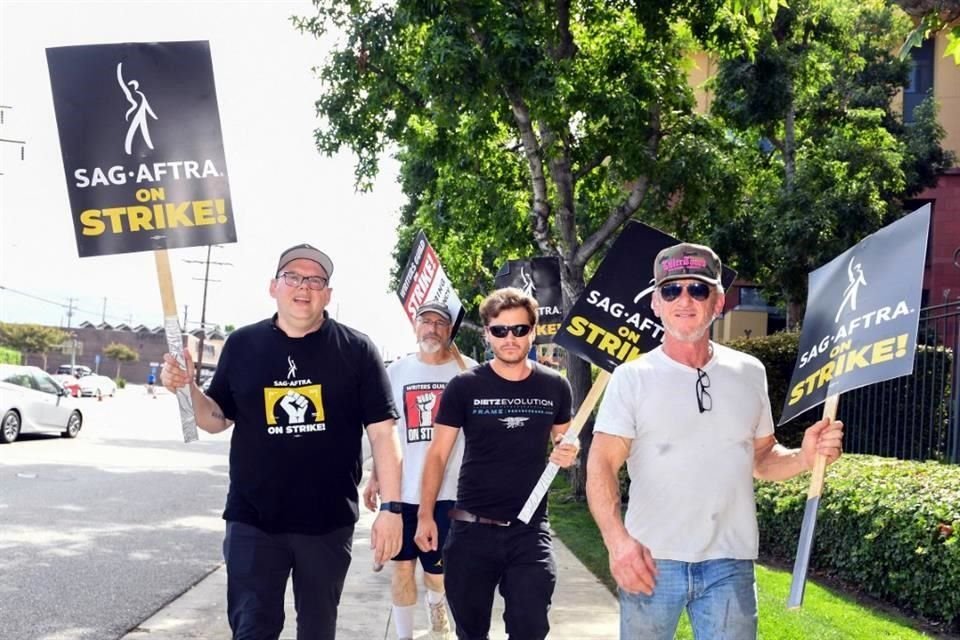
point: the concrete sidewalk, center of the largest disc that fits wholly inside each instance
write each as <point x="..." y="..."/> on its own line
<point x="582" y="609"/>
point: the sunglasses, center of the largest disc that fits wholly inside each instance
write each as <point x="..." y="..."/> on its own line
<point x="501" y="330"/>
<point x="704" y="399"/>
<point x="699" y="291"/>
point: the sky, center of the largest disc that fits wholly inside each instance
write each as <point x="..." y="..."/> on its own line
<point x="283" y="190"/>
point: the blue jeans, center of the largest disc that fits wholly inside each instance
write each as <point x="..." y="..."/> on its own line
<point x="720" y="597"/>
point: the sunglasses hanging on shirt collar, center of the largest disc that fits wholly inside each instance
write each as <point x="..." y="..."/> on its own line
<point x="704" y="400"/>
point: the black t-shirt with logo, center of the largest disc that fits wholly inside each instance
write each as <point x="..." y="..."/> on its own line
<point x="299" y="406"/>
<point x="506" y="427"/>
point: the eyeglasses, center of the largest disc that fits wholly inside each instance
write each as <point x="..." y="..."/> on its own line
<point x="704" y="401"/>
<point x="699" y="291"/>
<point x="501" y="330"/>
<point x="436" y="324"/>
<point x="317" y="283"/>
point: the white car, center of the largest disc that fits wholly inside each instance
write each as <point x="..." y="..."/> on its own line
<point x="30" y="400"/>
<point x="96" y="386"/>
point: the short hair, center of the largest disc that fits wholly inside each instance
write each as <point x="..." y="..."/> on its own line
<point x="507" y="298"/>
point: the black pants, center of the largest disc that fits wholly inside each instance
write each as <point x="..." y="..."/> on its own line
<point x="478" y="557"/>
<point x="258" y="566"/>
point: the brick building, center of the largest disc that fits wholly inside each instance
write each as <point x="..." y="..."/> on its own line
<point x="89" y="340"/>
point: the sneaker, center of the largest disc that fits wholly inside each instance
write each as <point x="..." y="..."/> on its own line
<point x="439" y="621"/>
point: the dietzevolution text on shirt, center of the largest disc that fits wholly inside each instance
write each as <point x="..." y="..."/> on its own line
<point x="500" y="402"/>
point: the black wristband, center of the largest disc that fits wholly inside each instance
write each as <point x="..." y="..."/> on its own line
<point x="392" y="507"/>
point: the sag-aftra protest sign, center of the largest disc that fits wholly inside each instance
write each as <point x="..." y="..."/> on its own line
<point x="424" y="280"/>
<point x="860" y="327"/>
<point x="141" y="145"/>
<point x="143" y="157"/>
<point x="612" y="322"/>
<point x="863" y="308"/>
<point x="540" y="279"/>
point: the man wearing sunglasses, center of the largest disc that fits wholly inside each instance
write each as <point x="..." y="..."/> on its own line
<point x="418" y="382"/>
<point x="508" y="409"/>
<point x="299" y="389"/>
<point x="692" y="421"/>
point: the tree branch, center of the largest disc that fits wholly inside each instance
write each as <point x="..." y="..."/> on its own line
<point x="540" y="215"/>
<point x="558" y="155"/>
<point x="626" y="209"/>
<point x="587" y="167"/>
<point x="566" y="47"/>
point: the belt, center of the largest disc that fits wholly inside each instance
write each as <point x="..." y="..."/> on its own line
<point x="466" y="516"/>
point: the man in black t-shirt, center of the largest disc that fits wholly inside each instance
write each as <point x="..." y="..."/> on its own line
<point x="509" y="409"/>
<point x="300" y="389"/>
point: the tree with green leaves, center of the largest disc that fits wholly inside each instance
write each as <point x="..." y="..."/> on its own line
<point x="32" y="338"/>
<point x="831" y="160"/>
<point x="121" y="353"/>
<point x="528" y="128"/>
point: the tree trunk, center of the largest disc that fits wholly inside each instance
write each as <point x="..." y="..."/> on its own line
<point x="578" y="374"/>
<point x="118" y="370"/>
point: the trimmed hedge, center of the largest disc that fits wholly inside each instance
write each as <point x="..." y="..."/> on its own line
<point x="889" y="526"/>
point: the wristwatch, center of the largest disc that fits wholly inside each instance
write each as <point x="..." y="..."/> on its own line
<point x="392" y="507"/>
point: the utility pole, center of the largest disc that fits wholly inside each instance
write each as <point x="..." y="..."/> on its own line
<point x="70" y="302"/>
<point x="203" y="308"/>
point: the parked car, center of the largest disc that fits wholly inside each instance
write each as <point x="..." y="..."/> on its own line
<point x="77" y="371"/>
<point x="30" y="400"/>
<point x="68" y="382"/>
<point x="96" y="386"/>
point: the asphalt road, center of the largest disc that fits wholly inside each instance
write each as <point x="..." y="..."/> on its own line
<point x="99" y="532"/>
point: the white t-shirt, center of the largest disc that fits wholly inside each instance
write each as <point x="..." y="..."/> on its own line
<point x="417" y="388"/>
<point x="691" y="473"/>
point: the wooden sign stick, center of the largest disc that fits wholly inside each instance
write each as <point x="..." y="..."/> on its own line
<point x="171" y="327"/>
<point x="546" y="478"/>
<point x="805" y="543"/>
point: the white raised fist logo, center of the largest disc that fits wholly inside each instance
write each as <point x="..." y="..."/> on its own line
<point x="425" y="404"/>
<point x="296" y="407"/>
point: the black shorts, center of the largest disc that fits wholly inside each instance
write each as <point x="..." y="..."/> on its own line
<point x="431" y="561"/>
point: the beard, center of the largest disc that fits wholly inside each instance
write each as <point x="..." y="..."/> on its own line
<point x="430" y="345"/>
<point x="691" y="335"/>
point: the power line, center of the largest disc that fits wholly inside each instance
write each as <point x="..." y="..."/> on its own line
<point x="71" y="308"/>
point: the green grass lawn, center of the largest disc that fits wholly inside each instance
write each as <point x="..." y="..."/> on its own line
<point x="825" y="615"/>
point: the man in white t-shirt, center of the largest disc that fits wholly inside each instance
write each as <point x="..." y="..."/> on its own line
<point x="417" y="382"/>
<point x="692" y="421"/>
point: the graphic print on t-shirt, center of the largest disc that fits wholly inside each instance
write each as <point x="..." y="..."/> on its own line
<point x="293" y="409"/>
<point x="512" y="413"/>
<point x="420" y="404"/>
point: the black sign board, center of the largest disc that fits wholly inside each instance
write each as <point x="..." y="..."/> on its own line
<point x="141" y="144"/>
<point x="863" y="308"/>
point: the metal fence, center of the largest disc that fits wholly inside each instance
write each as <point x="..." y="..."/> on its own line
<point x="915" y="417"/>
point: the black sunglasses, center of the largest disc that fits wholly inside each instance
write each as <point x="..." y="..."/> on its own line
<point x="699" y="291"/>
<point x="704" y="400"/>
<point x="501" y="330"/>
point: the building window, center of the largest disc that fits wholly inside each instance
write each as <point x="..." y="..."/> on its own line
<point x="920" y="84"/>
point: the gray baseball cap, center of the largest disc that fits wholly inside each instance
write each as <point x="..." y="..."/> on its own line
<point x="435" y="307"/>
<point x="307" y="252"/>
